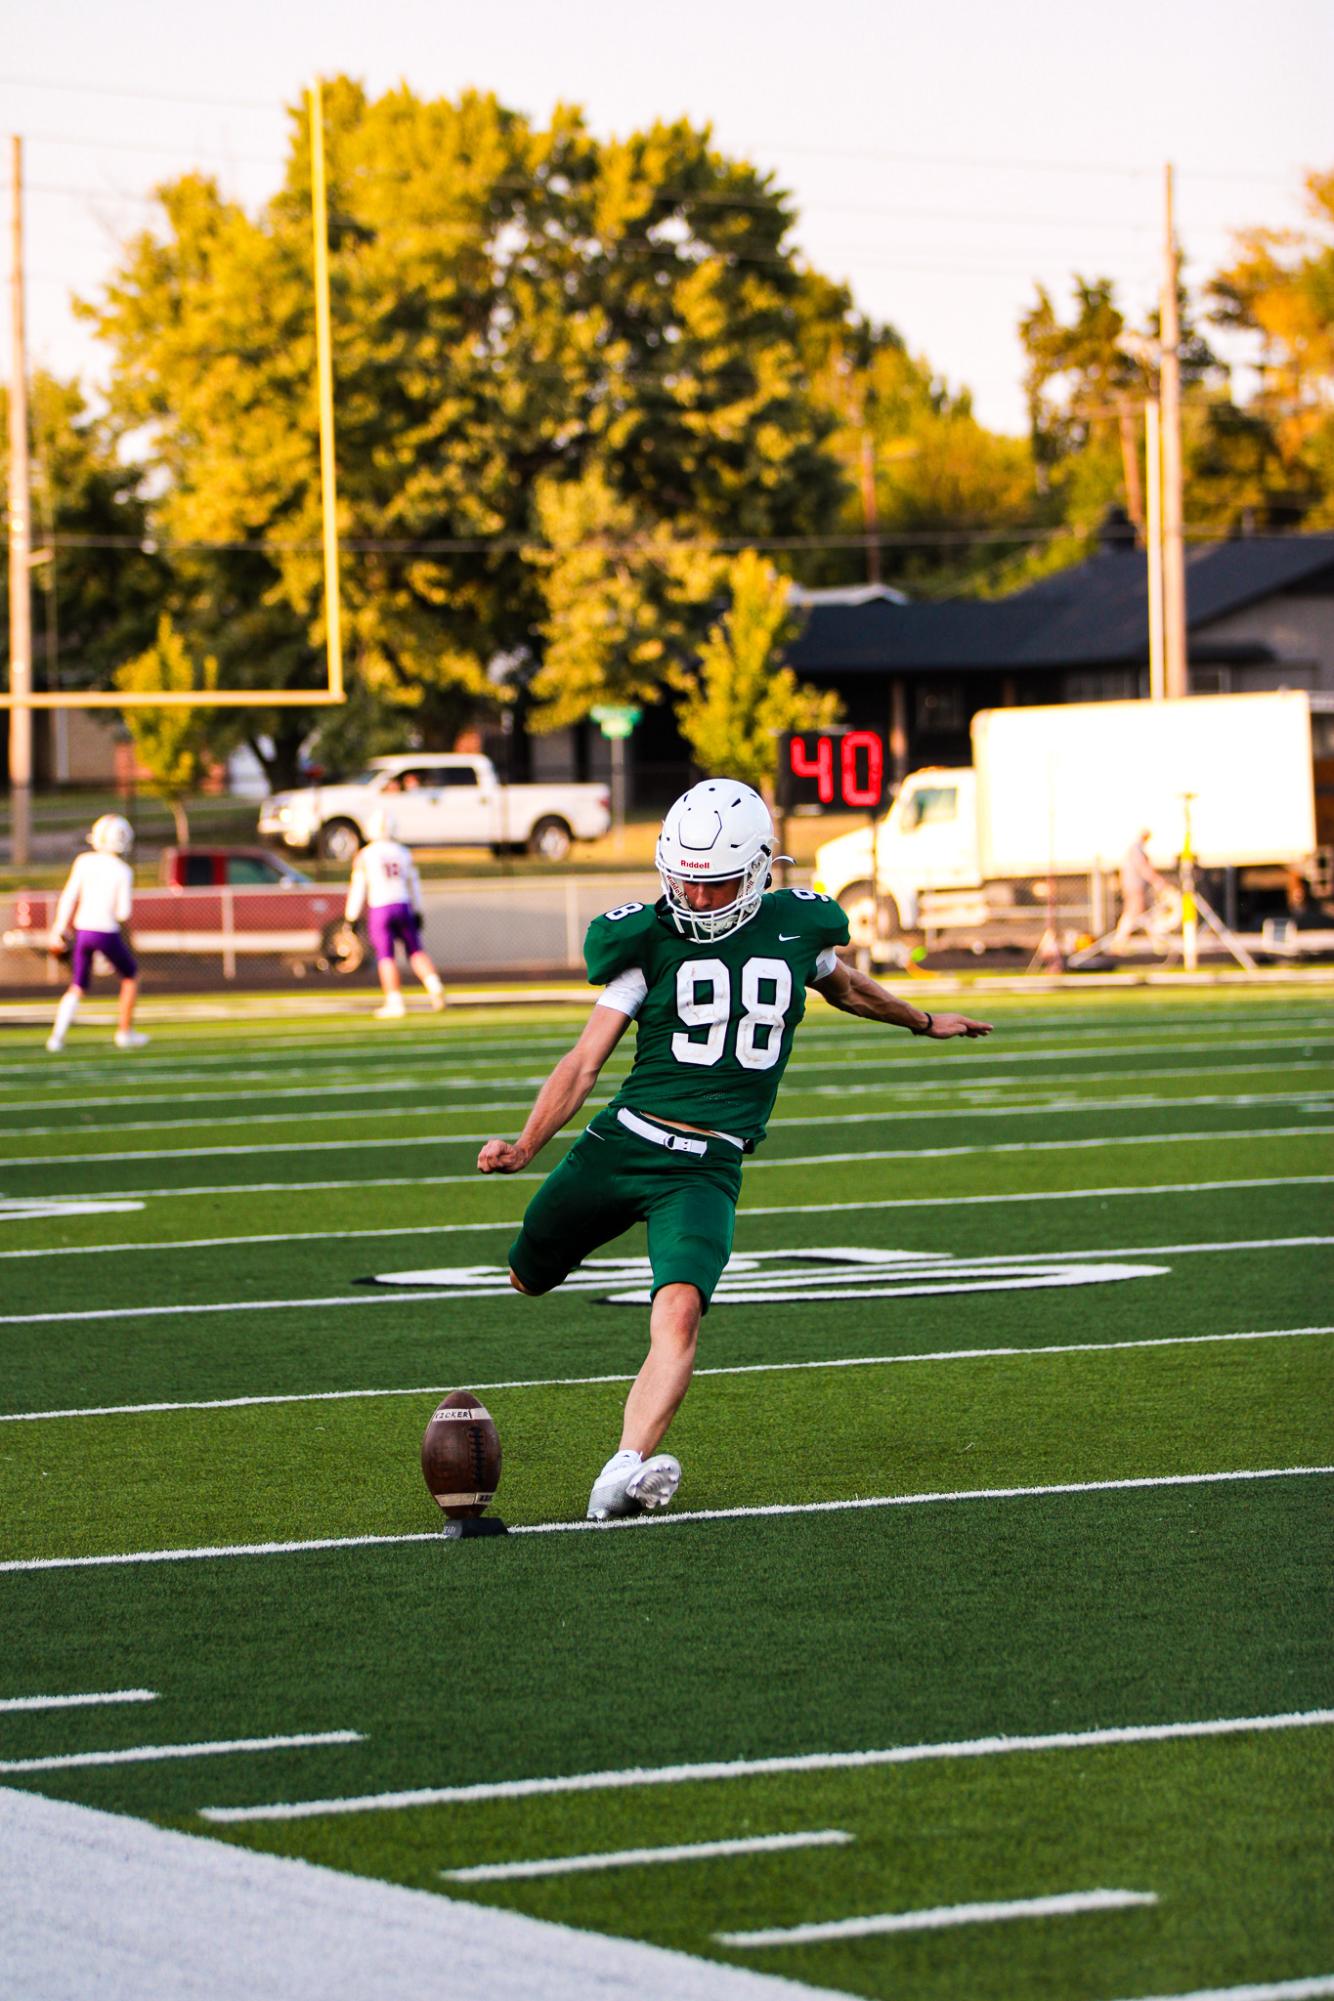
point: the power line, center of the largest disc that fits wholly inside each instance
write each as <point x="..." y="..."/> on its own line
<point x="472" y="545"/>
<point x="67" y="89"/>
<point x="979" y="162"/>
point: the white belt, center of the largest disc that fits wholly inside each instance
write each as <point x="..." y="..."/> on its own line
<point x="675" y="1142"/>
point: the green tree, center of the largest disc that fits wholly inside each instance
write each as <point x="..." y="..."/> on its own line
<point x="511" y="306"/>
<point x="625" y="602"/>
<point x="934" y="473"/>
<point x="1087" y="382"/>
<point x="744" y="696"/>
<point x="1279" y="291"/>
<point x="98" y="589"/>
<point x="178" y="744"/>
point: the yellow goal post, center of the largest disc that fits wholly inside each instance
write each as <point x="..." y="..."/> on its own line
<point x="332" y="693"/>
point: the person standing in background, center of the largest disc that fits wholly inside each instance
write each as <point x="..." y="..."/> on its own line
<point x="1139" y="877"/>
<point x="96" y="903"/>
<point x="385" y="885"/>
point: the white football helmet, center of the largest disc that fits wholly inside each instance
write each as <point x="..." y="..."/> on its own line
<point x="381" y="824"/>
<point x="111" y="835"/>
<point x="718" y="831"/>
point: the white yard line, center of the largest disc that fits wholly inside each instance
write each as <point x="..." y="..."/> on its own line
<point x="933" y="1088"/>
<point x="634" y="1858"/>
<point x="729" y="1369"/>
<point x="594" y="1280"/>
<point x="1315" y="1989"/>
<point x="141" y="1754"/>
<point x="13" y="1702"/>
<point x="681" y="1518"/>
<point x="475" y="1180"/>
<point x="1044" y="1108"/>
<point x="97" y="1903"/>
<point x="1149" y="1192"/>
<point x="749" y="1768"/>
<point x="1069" y="1904"/>
<point x="343" y="1057"/>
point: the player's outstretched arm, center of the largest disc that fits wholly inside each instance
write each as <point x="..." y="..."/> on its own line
<point x="561" y="1096"/>
<point x="855" y="992"/>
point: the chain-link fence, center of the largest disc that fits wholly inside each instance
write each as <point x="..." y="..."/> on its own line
<point x="203" y="939"/>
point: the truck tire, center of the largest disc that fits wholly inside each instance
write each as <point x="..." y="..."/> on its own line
<point x="551" y="838"/>
<point x="339" y="841"/>
<point x="865" y="924"/>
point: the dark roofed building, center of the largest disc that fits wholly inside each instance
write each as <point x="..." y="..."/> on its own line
<point x="1260" y="614"/>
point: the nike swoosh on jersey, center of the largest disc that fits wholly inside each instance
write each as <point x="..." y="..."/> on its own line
<point x="788" y="937"/>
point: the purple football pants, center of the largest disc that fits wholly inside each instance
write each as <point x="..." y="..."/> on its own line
<point x="392" y="923"/>
<point x="113" y="949"/>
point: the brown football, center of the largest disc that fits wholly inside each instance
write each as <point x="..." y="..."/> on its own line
<point x="461" y="1455"/>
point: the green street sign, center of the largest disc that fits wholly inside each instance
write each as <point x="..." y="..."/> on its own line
<point x="616" y="722"/>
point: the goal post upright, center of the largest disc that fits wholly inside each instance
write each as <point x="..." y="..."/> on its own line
<point x="333" y="620"/>
<point x="22" y="698"/>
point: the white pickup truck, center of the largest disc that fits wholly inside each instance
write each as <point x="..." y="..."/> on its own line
<point x="439" y="800"/>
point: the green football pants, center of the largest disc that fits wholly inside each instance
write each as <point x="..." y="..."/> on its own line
<point x="612" y="1178"/>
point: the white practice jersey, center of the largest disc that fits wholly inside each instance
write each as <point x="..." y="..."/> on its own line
<point x="98" y="895"/>
<point x="384" y="872"/>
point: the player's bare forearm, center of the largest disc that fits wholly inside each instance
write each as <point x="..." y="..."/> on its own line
<point x="561" y="1095"/>
<point x="855" y="992"/>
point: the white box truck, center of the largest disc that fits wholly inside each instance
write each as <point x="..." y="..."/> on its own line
<point x="1038" y="824"/>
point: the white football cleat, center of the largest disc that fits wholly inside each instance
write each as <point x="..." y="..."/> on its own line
<point x="55" y="1043"/>
<point x="130" y="1038"/>
<point x="393" y="1010"/>
<point x="631" y="1485"/>
<point x="438" y="1000"/>
<point x="655" y="1482"/>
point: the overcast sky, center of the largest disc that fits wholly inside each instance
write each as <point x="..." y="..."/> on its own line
<point x="943" y="158"/>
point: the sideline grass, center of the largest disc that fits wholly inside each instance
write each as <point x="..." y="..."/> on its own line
<point x="550" y="1654"/>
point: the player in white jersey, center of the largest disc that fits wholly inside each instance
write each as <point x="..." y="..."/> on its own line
<point x="384" y="884"/>
<point x="95" y="905"/>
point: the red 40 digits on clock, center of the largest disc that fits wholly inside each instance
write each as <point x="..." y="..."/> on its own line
<point x="848" y="766"/>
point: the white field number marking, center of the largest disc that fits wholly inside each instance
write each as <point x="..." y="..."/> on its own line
<point x="788" y="1276"/>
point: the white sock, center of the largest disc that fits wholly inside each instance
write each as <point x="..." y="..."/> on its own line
<point x="65" y="1012"/>
<point x="435" y="986"/>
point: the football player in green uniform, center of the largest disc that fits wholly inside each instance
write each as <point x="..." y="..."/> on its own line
<point x="715" y="976"/>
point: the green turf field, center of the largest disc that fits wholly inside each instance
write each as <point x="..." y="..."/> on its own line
<point x="986" y="1649"/>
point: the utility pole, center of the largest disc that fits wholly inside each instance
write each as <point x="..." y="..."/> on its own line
<point x="1153" y="543"/>
<point x="1176" y="675"/>
<point x="870" y="513"/>
<point x="20" y="540"/>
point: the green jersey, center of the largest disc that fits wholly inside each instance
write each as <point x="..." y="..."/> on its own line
<point x="715" y="1027"/>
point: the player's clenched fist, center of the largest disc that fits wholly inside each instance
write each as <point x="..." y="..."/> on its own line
<point x="502" y="1156"/>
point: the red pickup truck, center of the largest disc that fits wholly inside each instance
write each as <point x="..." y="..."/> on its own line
<point x="231" y="902"/>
